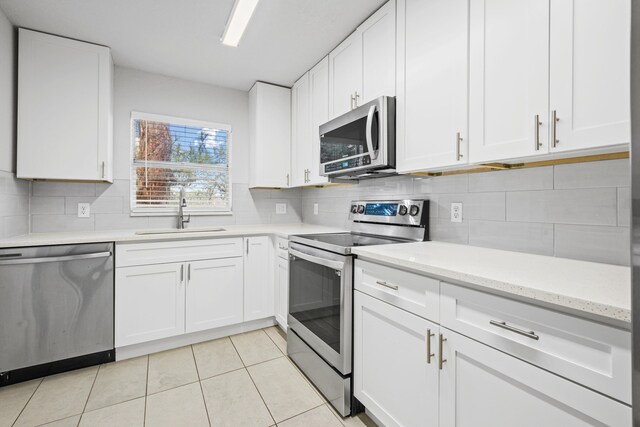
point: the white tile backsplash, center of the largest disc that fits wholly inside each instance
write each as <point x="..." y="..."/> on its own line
<point x="14" y="205"/>
<point x="518" y="209"/>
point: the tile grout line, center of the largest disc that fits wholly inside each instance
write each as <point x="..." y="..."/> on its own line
<point x="28" y="400"/>
<point x="254" y="383"/>
<point x="195" y="362"/>
<point x="146" y="390"/>
<point x="301" y="413"/>
<point x="90" y="390"/>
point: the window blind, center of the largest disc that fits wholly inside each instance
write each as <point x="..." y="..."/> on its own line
<point x="170" y="153"/>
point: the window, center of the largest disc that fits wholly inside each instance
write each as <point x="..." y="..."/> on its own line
<point x="170" y="153"/>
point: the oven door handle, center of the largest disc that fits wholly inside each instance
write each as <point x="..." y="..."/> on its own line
<point x="336" y="265"/>
<point x="373" y="154"/>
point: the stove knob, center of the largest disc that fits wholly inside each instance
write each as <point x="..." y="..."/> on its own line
<point x="402" y="210"/>
<point x="361" y="209"/>
<point x="354" y="208"/>
<point x="413" y="211"/>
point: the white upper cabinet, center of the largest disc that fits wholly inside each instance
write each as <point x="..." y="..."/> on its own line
<point x="432" y="85"/>
<point x="590" y="82"/>
<point x="65" y="109"/>
<point x="509" y="79"/>
<point x="345" y="75"/>
<point x="319" y="91"/>
<point x="300" y="131"/>
<point x="378" y="35"/>
<point x="258" y="279"/>
<point x="270" y="136"/>
<point x="362" y="67"/>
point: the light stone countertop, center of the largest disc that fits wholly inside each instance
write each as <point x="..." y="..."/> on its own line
<point x="122" y="236"/>
<point x="601" y="292"/>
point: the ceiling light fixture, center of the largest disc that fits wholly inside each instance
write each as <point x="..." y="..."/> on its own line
<point x="238" y="21"/>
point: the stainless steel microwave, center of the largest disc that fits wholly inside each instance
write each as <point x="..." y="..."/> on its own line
<point x="361" y="143"/>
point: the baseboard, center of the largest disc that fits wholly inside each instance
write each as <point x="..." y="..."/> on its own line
<point x="135" y="350"/>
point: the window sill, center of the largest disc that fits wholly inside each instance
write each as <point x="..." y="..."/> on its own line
<point x="174" y="214"/>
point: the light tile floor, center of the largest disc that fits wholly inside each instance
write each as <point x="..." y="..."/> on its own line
<point x="243" y="380"/>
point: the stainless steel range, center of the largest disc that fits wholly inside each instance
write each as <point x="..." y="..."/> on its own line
<point x="319" y="338"/>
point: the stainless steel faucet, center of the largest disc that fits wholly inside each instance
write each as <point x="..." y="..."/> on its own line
<point x="183" y="204"/>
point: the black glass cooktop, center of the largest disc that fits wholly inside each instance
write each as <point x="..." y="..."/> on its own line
<point x="342" y="242"/>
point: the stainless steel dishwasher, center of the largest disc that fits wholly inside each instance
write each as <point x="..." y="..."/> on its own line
<point x="56" y="309"/>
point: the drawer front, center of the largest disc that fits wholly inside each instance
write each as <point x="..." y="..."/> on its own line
<point x="592" y="354"/>
<point x="129" y="254"/>
<point x="282" y="247"/>
<point x="412" y="292"/>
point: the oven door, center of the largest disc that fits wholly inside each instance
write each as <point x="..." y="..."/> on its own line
<point x="320" y="309"/>
<point x="358" y="140"/>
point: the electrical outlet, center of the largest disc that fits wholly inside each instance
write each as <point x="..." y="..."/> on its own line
<point x="84" y="210"/>
<point x="315" y="209"/>
<point x="281" y="208"/>
<point x="456" y="212"/>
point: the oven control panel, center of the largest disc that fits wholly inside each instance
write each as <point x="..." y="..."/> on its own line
<point x="347" y="164"/>
<point x="403" y="212"/>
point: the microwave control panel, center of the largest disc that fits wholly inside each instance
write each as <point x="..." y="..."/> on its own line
<point x="347" y="164"/>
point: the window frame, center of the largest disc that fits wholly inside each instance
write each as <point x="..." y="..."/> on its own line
<point x="170" y="211"/>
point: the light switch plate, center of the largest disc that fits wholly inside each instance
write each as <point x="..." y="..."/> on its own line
<point x="84" y="210"/>
<point x="456" y="212"/>
<point x="315" y="209"/>
<point x="281" y="208"/>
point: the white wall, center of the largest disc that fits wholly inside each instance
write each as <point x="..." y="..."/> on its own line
<point x="153" y="93"/>
<point x="7" y="94"/>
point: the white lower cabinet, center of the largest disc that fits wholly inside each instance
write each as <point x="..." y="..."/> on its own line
<point x="409" y="371"/>
<point x="258" y="278"/>
<point x="484" y="387"/>
<point x="395" y="376"/>
<point x="282" y="292"/>
<point x="214" y="293"/>
<point x="149" y="303"/>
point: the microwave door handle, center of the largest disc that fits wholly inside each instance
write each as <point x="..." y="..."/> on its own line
<point x="336" y="265"/>
<point x="373" y="154"/>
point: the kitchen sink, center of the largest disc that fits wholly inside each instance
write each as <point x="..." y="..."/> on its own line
<point x="176" y="231"/>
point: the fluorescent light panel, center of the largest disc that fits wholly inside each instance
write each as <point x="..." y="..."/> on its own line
<point x="238" y="21"/>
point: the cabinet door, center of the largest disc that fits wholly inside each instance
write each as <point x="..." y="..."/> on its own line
<point x="214" y="293"/>
<point x="149" y="302"/>
<point x="319" y="88"/>
<point x="509" y="83"/>
<point x="301" y="131"/>
<point x="282" y="292"/>
<point x="432" y="84"/>
<point x="345" y="76"/>
<point x="270" y="136"/>
<point x="378" y="35"/>
<point x="393" y="375"/>
<point x="64" y="109"/>
<point x="258" y="279"/>
<point x="481" y="386"/>
<point x="590" y="73"/>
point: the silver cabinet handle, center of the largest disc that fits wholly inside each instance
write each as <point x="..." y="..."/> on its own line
<point x="189" y="272"/>
<point x="356" y="99"/>
<point x="503" y="325"/>
<point x="60" y="258"/>
<point x="103" y="173"/>
<point x="247" y="246"/>
<point x="287" y="180"/>
<point x="429" y="354"/>
<point x="536" y="125"/>
<point x="388" y="285"/>
<point x="441" y="359"/>
<point x="554" y="120"/>
<point x="351" y="102"/>
<point x="182" y="273"/>
<point x="458" y="141"/>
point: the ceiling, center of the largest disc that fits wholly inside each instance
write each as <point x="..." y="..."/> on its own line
<point x="181" y="38"/>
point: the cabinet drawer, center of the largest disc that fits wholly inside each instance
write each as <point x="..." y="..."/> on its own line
<point x="282" y="247"/>
<point x="129" y="254"/>
<point x="587" y="352"/>
<point x="412" y="292"/>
